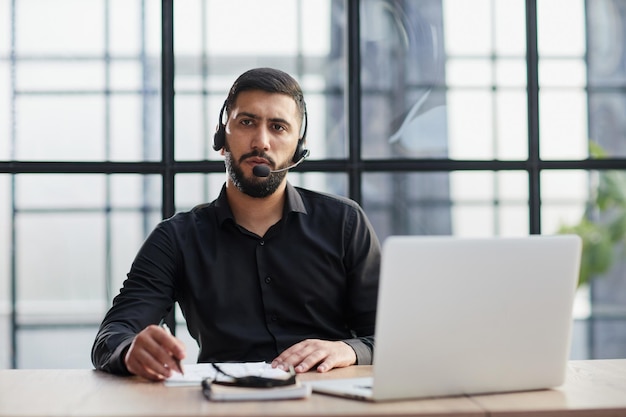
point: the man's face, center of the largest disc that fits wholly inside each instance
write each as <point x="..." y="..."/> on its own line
<point x="262" y="128"/>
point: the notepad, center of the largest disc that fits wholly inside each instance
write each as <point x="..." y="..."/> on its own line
<point x="203" y="375"/>
<point x="216" y="392"/>
<point x="195" y="373"/>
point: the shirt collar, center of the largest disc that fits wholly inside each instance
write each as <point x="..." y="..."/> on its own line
<point x="293" y="203"/>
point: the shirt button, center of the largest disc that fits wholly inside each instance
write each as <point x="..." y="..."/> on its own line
<point x="261" y="242"/>
<point x="268" y="280"/>
<point x="273" y="318"/>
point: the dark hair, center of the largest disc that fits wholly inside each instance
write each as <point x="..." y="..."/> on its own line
<point x="270" y="80"/>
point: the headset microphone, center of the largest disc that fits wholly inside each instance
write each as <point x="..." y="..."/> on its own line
<point x="264" y="171"/>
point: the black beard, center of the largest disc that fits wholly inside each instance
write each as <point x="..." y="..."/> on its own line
<point x="256" y="187"/>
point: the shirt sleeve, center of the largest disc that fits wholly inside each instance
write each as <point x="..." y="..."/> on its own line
<point x="148" y="294"/>
<point x="111" y="359"/>
<point x="363" y="348"/>
<point x="363" y="268"/>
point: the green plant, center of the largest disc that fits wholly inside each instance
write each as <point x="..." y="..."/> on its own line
<point x="600" y="237"/>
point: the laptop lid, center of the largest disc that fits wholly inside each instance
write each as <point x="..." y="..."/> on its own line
<point x="466" y="316"/>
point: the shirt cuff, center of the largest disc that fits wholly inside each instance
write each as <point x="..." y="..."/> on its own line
<point x="116" y="364"/>
<point x="363" y="351"/>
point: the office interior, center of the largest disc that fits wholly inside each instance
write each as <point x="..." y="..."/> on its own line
<point x="471" y="118"/>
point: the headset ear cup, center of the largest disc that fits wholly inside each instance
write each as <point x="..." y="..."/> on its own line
<point x="301" y="152"/>
<point x="219" y="139"/>
<point x="298" y="152"/>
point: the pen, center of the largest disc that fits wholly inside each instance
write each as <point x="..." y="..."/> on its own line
<point x="165" y="327"/>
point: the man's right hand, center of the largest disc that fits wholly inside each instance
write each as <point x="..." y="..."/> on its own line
<point x="154" y="354"/>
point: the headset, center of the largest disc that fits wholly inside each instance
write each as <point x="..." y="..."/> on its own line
<point x="219" y="139"/>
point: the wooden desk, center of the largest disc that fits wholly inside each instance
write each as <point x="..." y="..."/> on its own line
<point x="596" y="388"/>
<point x="592" y="388"/>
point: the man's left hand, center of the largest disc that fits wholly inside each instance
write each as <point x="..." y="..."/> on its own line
<point x="326" y="354"/>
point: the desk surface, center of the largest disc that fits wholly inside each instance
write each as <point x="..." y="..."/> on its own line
<point x="596" y="388"/>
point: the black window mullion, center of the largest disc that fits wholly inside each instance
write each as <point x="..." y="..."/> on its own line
<point x="13" y="272"/>
<point x="532" y="66"/>
<point x="167" y="107"/>
<point x="354" y="100"/>
<point x="167" y="117"/>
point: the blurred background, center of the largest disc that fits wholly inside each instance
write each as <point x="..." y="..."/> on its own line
<point x="440" y="117"/>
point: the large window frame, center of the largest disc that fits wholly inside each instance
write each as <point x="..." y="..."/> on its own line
<point x="354" y="166"/>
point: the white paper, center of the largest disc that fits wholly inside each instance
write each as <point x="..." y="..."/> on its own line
<point x="195" y="373"/>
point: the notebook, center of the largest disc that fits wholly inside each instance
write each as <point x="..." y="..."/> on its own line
<point x="469" y="316"/>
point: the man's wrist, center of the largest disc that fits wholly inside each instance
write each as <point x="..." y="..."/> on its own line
<point x="361" y="350"/>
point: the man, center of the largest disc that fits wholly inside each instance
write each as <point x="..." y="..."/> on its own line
<point x="266" y="272"/>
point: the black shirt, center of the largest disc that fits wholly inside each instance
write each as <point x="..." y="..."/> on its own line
<point x="247" y="298"/>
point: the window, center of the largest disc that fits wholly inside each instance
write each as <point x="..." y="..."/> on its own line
<point x="471" y="118"/>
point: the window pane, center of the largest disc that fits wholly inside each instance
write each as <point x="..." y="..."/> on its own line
<point x="563" y="109"/>
<point x="5" y="270"/>
<point x="562" y="73"/>
<point x="563" y="124"/>
<point x="60" y="261"/>
<point x="559" y="27"/>
<point x="426" y="95"/>
<point x="471" y="123"/>
<point x="607" y="124"/>
<point x="206" y="66"/>
<point x="88" y="191"/>
<point x="324" y="182"/>
<point x="126" y="75"/>
<point x="592" y="204"/>
<point x="59" y="134"/>
<point x="195" y="127"/>
<point x="468" y="27"/>
<point x="456" y="203"/>
<point x="6" y="119"/>
<point x="60" y="23"/>
<point x="5" y="76"/>
<point x="562" y="76"/>
<point x="511" y="73"/>
<point x="59" y="76"/>
<point x="76" y="238"/>
<point x="135" y="127"/>
<point x="134" y="191"/>
<point x="606" y="34"/>
<point x="511" y="128"/>
<point x="564" y="196"/>
<point x="47" y="191"/>
<point x="469" y="72"/>
<point x="488" y="203"/>
<point x="402" y="74"/>
<point x="87" y="127"/>
<point x="5" y="28"/>
<point x="510" y="36"/>
<point x="125" y="16"/>
<point x="194" y="189"/>
<point x="74" y="344"/>
<point x="92" y="90"/>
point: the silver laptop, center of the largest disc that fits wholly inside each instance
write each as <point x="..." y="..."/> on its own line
<point x="468" y="316"/>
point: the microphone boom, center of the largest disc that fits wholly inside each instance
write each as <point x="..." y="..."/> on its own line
<point x="264" y="171"/>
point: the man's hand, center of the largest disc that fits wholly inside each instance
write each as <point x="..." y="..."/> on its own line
<point x="154" y="354"/>
<point x="311" y="352"/>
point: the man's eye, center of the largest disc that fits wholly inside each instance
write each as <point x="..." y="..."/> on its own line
<point x="246" y="122"/>
<point x="279" y="127"/>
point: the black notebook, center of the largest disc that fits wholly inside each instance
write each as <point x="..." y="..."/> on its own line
<point x="217" y="392"/>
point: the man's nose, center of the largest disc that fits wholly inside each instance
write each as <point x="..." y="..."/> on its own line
<point x="261" y="138"/>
